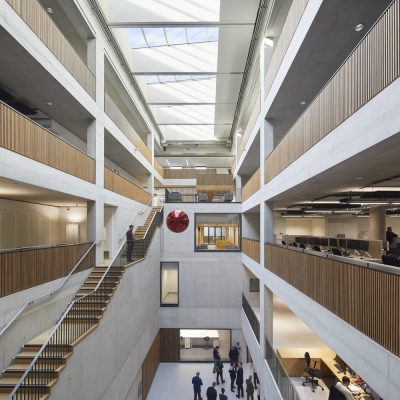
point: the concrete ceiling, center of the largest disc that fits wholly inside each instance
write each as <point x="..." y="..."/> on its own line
<point x="29" y="82"/>
<point x="19" y="191"/>
<point x="329" y="41"/>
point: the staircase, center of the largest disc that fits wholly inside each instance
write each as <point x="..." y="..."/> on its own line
<point x="45" y="358"/>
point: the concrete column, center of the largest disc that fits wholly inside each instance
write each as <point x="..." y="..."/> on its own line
<point x="95" y="149"/>
<point x="238" y="188"/>
<point x="95" y="57"/>
<point x="112" y="233"/>
<point x="150" y="179"/>
<point x="150" y="186"/>
<point x="95" y="221"/>
<point x="268" y="314"/>
<point x="377" y="223"/>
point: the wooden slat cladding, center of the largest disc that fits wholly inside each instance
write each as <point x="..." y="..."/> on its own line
<point x="186" y="173"/>
<point x="252" y="186"/>
<point x="25" y="137"/>
<point x="216" y="183"/>
<point x="26" y="268"/>
<point x="150" y="365"/>
<point x="118" y="184"/>
<point x="372" y="66"/>
<point x="251" y="248"/>
<point x="48" y="32"/>
<point x="159" y="168"/>
<point x="119" y="119"/>
<point x="293" y="18"/>
<point x="169" y="345"/>
<point x="366" y="298"/>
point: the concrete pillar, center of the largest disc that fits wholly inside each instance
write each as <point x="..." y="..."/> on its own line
<point x="268" y="314"/>
<point x="95" y="222"/>
<point x="95" y="149"/>
<point x="238" y="188"/>
<point x="112" y="233"/>
<point x="150" y="179"/>
<point x="95" y="62"/>
<point x="377" y="223"/>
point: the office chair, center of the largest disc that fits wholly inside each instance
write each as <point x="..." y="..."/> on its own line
<point x="312" y="373"/>
<point x="390" y="260"/>
<point x="334" y="394"/>
<point x="336" y="252"/>
<point x="302" y="246"/>
<point x="283" y="242"/>
<point x="316" y="248"/>
<point x="293" y="244"/>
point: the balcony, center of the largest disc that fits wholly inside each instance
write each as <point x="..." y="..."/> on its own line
<point x="23" y="136"/>
<point x="252" y="186"/>
<point x="36" y="17"/>
<point x="365" y="295"/>
<point x="118" y="184"/>
<point x="252" y="317"/>
<point x="251" y="248"/>
<point x="119" y="119"/>
<point x="356" y="82"/>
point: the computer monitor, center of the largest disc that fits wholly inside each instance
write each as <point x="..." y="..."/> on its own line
<point x="341" y="364"/>
<point x="341" y="236"/>
<point x="324" y="242"/>
<point x="364" y="245"/>
<point x="353" y="244"/>
<point x="342" y="243"/>
<point x="311" y="241"/>
<point x="333" y="242"/>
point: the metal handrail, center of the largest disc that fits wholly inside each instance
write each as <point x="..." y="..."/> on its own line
<point x="148" y="228"/>
<point x="39" y="247"/>
<point x="60" y="321"/>
<point x="35" y="300"/>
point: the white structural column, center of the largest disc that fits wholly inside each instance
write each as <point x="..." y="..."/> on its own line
<point x="377" y="223"/>
<point x="150" y="179"/>
<point x="95" y="224"/>
<point x="238" y="188"/>
<point x="95" y="54"/>
<point x="111" y="231"/>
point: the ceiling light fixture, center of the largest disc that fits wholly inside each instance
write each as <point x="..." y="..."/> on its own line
<point x="303" y="102"/>
<point x="176" y="167"/>
<point x="200" y="167"/>
<point x="359" y="178"/>
<point x="359" y="27"/>
<point x="49" y="10"/>
<point x="49" y="103"/>
<point x="269" y="42"/>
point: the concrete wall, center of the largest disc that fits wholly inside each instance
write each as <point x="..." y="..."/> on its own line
<point x="251" y="226"/>
<point x="107" y="363"/>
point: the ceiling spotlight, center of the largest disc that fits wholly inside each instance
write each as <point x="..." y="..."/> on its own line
<point x="269" y="42"/>
<point x="359" y="178"/>
<point x="303" y="102"/>
<point x="49" y="103"/>
<point x="49" y="10"/>
<point x="359" y="27"/>
<point x="239" y="133"/>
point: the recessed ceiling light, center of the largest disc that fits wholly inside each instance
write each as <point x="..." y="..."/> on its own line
<point x="359" y="178"/>
<point x="175" y="167"/>
<point x="239" y="134"/>
<point x="303" y="102"/>
<point x="49" y="103"/>
<point x="49" y="10"/>
<point x="200" y="167"/>
<point x="359" y="27"/>
<point x="269" y="42"/>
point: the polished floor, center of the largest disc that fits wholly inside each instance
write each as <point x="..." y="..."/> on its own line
<point x="173" y="381"/>
<point x="306" y="393"/>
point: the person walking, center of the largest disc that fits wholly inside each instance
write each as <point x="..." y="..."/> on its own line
<point x="239" y="381"/>
<point x="197" y="384"/>
<point x="211" y="392"/>
<point x="219" y="367"/>
<point x="255" y="376"/>
<point x="232" y="355"/>
<point x="216" y="353"/>
<point x="236" y="352"/>
<point x="130" y="241"/>
<point x="232" y="374"/>
<point x="223" y="396"/>
<point x="249" y="388"/>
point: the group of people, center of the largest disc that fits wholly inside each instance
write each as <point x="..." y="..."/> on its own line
<point x="235" y="374"/>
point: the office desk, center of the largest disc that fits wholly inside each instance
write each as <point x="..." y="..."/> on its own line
<point x="294" y="363"/>
<point x="195" y="337"/>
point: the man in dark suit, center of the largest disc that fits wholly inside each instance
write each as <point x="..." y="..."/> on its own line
<point x="197" y="383"/>
<point x="223" y="396"/>
<point x="211" y="392"/>
<point x="232" y="374"/>
<point x="239" y="381"/>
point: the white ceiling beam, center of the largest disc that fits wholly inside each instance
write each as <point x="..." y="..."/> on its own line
<point x="174" y="24"/>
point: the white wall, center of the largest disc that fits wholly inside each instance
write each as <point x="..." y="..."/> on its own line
<point x="106" y="365"/>
<point x="251" y="226"/>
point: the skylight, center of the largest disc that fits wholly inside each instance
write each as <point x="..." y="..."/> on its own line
<point x="156" y="37"/>
<point x="150" y="79"/>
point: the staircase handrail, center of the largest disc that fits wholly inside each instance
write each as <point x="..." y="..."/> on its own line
<point x="52" y="293"/>
<point x="54" y="330"/>
<point x="148" y="227"/>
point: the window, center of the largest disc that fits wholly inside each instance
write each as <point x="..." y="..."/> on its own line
<point x="169" y="286"/>
<point x="217" y="232"/>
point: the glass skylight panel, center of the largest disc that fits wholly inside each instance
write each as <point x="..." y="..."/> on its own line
<point x="176" y="36"/>
<point x="155" y="37"/>
<point x="212" y="34"/>
<point x="197" y="35"/>
<point x="182" y="77"/>
<point x="136" y="38"/>
<point x="151" y="79"/>
<point x="166" y="78"/>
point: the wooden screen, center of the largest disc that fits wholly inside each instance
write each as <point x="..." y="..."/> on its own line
<point x="252" y="186"/>
<point x="251" y="248"/>
<point x="150" y="365"/>
<point x="169" y="345"/>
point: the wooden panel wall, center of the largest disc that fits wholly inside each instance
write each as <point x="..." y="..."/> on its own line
<point x="365" y="298"/>
<point x="252" y="186"/>
<point x="216" y="183"/>
<point x="159" y="168"/>
<point x="36" y="17"/>
<point x="169" y="345"/>
<point x="186" y="173"/>
<point x="251" y="248"/>
<point x="25" y="137"/>
<point x="372" y="66"/>
<point x="23" y="269"/>
<point x="119" y="119"/>
<point x="118" y="184"/>
<point x="150" y="365"/>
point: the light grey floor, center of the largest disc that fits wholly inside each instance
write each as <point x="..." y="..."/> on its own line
<point x="306" y="393"/>
<point x="173" y="381"/>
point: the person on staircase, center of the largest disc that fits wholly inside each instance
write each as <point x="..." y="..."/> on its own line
<point x="130" y="241"/>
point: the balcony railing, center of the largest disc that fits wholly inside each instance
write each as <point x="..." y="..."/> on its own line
<point x="23" y="136"/>
<point x="252" y="186"/>
<point x="293" y="18"/>
<point x="365" y="295"/>
<point x="118" y="184"/>
<point x="371" y="67"/>
<point x="281" y="377"/>
<point x="119" y="119"/>
<point x="186" y="173"/>
<point x="159" y="168"/>
<point x="252" y="317"/>
<point x="24" y="268"/>
<point x="36" y="17"/>
<point x="251" y="248"/>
